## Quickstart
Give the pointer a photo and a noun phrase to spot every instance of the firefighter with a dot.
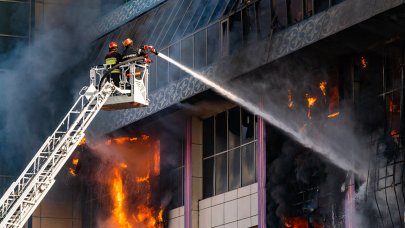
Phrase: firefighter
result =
(112, 59)
(130, 50)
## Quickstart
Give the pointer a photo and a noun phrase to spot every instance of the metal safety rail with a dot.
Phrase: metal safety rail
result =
(24, 195)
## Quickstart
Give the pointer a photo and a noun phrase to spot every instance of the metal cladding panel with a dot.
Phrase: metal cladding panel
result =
(289, 40)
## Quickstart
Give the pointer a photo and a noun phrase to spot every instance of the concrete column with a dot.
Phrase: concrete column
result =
(261, 173)
(197, 168)
(188, 177)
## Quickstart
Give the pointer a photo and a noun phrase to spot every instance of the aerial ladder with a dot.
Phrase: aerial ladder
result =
(25, 194)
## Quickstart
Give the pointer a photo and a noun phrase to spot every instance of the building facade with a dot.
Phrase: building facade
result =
(277, 160)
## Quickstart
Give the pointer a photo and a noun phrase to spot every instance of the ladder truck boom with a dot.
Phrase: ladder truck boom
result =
(25, 194)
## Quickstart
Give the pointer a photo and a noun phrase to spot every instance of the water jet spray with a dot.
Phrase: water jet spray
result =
(319, 147)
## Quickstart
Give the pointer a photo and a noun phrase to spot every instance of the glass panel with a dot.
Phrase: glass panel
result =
(225, 37)
(8, 44)
(200, 46)
(220, 132)
(308, 8)
(247, 129)
(264, 17)
(334, 2)
(249, 24)
(14, 18)
(234, 127)
(196, 17)
(219, 10)
(234, 169)
(174, 22)
(210, 6)
(187, 57)
(295, 12)
(208, 137)
(248, 164)
(320, 5)
(231, 6)
(208, 177)
(177, 183)
(185, 20)
(280, 11)
(235, 31)
(212, 43)
(163, 13)
(174, 53)
(162, 70)
(221, 180)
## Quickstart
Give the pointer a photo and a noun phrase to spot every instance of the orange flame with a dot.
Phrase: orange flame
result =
(322, 87)
(311, 102)
(290, 103)
(137, 181)
(119, 197)
(156, 158)
(83, 141)
(142, 179)
(332, 115)
(298, 222)
(73, 170)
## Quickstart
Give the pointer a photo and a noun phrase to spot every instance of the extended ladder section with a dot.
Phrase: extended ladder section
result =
(24, 195)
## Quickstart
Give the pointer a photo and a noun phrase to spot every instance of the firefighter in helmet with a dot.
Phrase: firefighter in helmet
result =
(113, 58)
(131, 51)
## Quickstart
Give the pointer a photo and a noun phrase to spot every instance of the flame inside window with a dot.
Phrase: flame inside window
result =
(363, 63)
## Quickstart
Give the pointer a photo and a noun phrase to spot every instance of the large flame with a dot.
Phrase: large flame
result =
(74, 166)
(131, 184)
(118, 193)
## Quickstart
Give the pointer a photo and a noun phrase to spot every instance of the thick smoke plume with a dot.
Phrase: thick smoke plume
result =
(42, 79)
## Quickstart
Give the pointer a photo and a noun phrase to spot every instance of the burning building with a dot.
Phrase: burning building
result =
(318, 142)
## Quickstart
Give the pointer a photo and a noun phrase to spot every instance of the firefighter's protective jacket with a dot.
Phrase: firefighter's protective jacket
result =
(132, 52)
(113, 58)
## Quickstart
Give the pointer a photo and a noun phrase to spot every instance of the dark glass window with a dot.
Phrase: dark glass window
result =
(208, 177)
(7, 44)
(212, 43)
(295, 11)
(334, 2)
(308, 8)
(247, 129)
(234, 169)
(177, 183)
(187, 55)
(234, 127)
(221, 179)
(264, 17)
(14, 18)
(163, 12)
(200, 46)
(225, 37)
(208, 137)
(320, 5)
(162, 70)
(220, 132)
(249, 24)
(174, 53)
(280, 12)
(235, 31)
(248, 164)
